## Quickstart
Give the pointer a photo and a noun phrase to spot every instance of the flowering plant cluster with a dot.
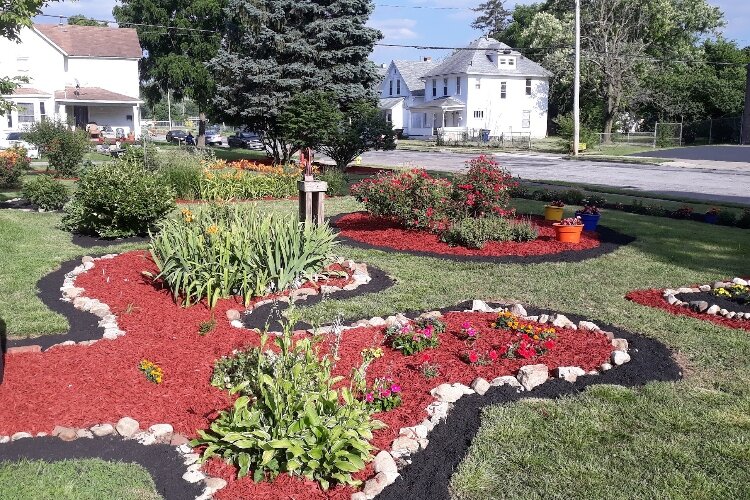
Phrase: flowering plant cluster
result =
(713, 211)
(588, 210)
(571, 221)
(557, 203)
(468, 332)
(480, 358)
(384, 395)
(429, 369)
(151, 370)
(484, 189)
(684, 212)
(13, 163)
(412, 338)
(533, 339)
(737, 293)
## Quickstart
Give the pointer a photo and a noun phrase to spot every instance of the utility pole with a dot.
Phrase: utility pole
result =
(745, 126)
(169, 109)
(577, 83)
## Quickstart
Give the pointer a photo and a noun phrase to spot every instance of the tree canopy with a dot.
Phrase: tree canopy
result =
(81, 20)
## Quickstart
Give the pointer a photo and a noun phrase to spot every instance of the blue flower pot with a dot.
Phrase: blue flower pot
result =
(590, 221)
(711, 218)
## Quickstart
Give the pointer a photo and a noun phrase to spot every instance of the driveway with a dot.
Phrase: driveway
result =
(704, 183)
(708, 153)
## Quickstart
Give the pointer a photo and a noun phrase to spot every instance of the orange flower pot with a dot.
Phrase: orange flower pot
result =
(568, 234)
(553, 213)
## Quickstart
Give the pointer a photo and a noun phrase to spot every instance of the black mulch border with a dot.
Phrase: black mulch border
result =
(610, 240)
(85, 241)
(429, 474)
(21, 205)
(162, 461)
(723, 302)
(257, 317)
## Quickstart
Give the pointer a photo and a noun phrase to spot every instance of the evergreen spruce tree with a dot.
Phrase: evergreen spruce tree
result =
(276, 49)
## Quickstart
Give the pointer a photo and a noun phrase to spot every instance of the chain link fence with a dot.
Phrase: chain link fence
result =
(713, 131)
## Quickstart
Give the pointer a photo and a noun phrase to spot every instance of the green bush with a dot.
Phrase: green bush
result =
(338, 184)
(226, 250)
(475, 233)
(13, 164)
(184, 179)
(117, 200)
(743, 220)
(45, 192)
(572, 197)
(565, 130)
(63, 147)
(726, 218)
(144, 156)
(289, 418)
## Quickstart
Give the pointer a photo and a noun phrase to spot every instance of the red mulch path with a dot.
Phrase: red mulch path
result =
(80, 386)
(384, 232)
(654, 298)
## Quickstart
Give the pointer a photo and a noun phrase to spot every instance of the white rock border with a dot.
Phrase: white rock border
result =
(702, 306)
(415, 438)
(129, 428)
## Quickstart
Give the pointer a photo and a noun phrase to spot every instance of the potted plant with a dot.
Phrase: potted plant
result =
(712, 215)
(589, 215)
(568, 230)
(554, 211)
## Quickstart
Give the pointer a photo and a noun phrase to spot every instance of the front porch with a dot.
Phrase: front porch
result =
(111, 112)
(446, 114)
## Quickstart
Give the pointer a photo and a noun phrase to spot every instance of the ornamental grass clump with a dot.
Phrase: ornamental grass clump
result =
(223, 250)
(475, 233)
(290, 418)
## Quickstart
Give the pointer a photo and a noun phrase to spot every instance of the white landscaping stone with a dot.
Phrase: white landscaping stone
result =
(384, 462)
(739, 281)
(518, 310)
(671, 299)
(214, 484)
(237, 323)
(570, 373)
(88, 265)
(620, 344)
(377, 321)
(162, 432)
(378, 483)
(145, 438)
(480, 386)
(100, 430)
(438, 411)
(543, 318)
(531, 376)
(723, 312)
(713, 310)
(20, 435)
(705, 288)
(481, 306)
(506, 380)
(4, 439)
(405, 444)
(193, 476)
(465, 388)
(587, 325)
(127, 426)
(447, 393)
(685, 289)
(620, 357)
(562, 321)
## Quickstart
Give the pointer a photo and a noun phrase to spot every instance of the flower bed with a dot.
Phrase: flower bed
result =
(723, 302)
(384, 233)
(79, 386)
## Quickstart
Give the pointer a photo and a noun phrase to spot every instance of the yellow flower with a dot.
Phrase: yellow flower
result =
(212, 229)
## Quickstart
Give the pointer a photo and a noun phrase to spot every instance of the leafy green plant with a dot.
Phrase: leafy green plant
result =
(117, 200)
(206, 327)
(244, 185)
(13, 164)
(475, 233)
(743, 220)
(63, 147)
(338, 184)
(291, 418)
(226, 250)
(46, 193)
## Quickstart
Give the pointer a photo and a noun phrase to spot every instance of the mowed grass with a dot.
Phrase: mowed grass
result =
(88, 479)
(689, 439)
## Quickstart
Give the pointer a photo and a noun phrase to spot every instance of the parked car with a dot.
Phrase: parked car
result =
(16, 139)
(247, 140)
(214, 138)
(176, 136)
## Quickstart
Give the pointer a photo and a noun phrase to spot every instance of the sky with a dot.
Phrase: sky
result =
(421, 22)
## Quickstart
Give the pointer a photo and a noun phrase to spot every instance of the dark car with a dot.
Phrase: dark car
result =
(176, 136)
(247, 140)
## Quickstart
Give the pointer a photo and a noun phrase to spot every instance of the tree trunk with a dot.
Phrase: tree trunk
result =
(201, 129)
(612, 107)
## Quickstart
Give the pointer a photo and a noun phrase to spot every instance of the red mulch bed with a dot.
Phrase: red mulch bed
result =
(655, 298)
(384, 232)
(80, 386)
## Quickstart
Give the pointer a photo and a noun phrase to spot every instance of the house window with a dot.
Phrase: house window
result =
(10, 120)
(445, 86)
(25, 114)
(388, 117)
(526, 121)
(390, 84)
(458, 85)
(511, 61)
(528, 86)
(22, 64)
(478, 114)
(434, 88)
(398, 87)
(503, 90)
(478, 85)
(502, 61)
(42, 113)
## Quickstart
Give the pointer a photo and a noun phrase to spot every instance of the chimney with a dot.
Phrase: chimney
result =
(426, 59)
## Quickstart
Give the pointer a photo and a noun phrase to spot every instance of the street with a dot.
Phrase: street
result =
(719, 181)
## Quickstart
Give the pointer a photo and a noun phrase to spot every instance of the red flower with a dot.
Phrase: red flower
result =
(424, 358)
(493, 355)
(473, 357)
(549, 344)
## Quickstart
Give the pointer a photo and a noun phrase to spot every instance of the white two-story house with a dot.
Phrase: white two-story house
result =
(77, 74)
(486, 86)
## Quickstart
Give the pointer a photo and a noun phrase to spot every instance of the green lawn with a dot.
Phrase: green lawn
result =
(90, 479)
(228, 154)
(689, 439)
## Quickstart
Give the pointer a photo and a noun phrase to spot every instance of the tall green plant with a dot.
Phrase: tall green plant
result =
(234, 250)
(291, 418)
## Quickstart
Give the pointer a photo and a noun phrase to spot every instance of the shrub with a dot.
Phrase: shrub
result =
(475, 233)
(13, 164)
(338, 184)
(118, 200)
(483, 190)
(683, 212)
(63, 147)
(233, 250)
(544, 195)
(45, 192)
(743, 220)
(144, 156)
(595, 199)
(565, 130)
(184, 179)
(572, 196)
(726, 218)
(289, 418)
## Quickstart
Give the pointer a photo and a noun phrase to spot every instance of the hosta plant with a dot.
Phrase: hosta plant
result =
(224, 250)
(289, 418)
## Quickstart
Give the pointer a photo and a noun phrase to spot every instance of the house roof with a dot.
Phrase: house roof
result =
(389, 102)
(445, 103)
(93, 41)
(28, 91)
(412, 72)
(475, 61)
(92, 94)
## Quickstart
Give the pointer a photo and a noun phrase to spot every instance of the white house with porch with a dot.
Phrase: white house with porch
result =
(487, 86)
(77, 74)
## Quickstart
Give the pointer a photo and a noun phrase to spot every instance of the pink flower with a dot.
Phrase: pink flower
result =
(471, 332)
(427, 332)
(395, 388)
(405, 329)
(369, 397)
(466, 325)
(385, 393)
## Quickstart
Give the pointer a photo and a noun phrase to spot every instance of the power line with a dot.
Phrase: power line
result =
(428, 7)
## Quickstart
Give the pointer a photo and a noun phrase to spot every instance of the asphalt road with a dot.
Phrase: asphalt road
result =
(691, 180)
(710, 153)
